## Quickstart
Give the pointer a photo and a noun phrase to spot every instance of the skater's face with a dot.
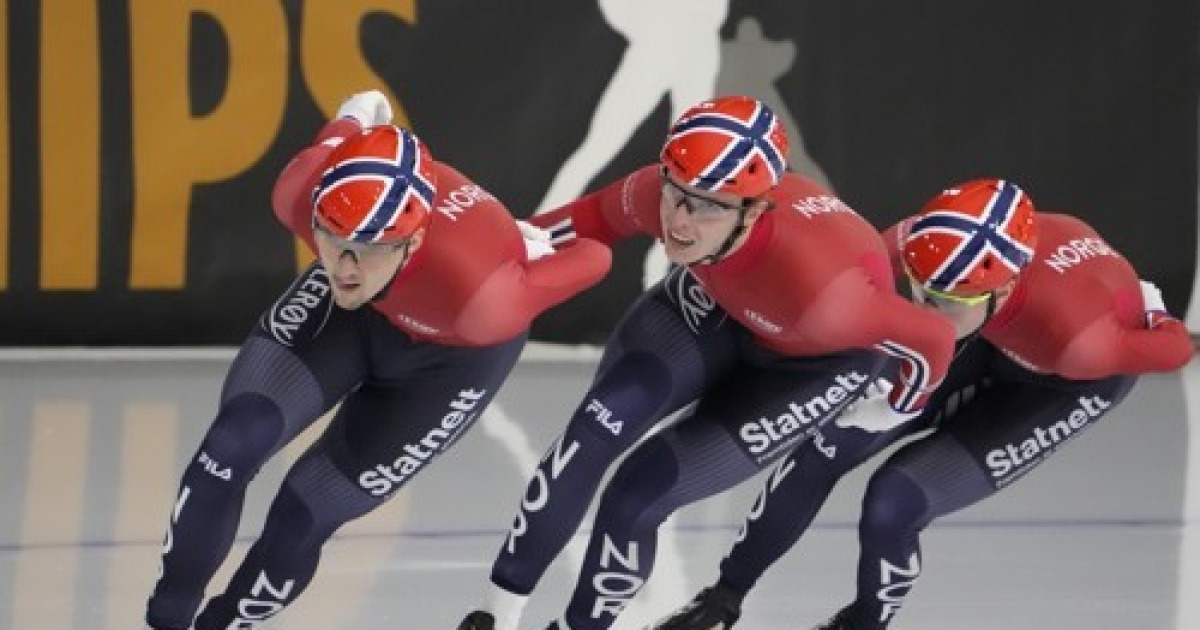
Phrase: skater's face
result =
(359, 271)
(695, 223)
(968, 312)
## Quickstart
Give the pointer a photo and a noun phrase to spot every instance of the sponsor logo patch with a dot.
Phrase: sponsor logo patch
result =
(689, 295)
(767, 436)
(301, 312)
(1008, 462)
(387, 477)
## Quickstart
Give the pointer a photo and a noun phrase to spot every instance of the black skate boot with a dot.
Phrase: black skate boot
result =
(840, 621)
(714, 608)
(478, 620)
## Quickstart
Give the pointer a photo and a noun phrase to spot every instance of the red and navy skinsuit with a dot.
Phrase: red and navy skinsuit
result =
(1062, 351)
(413, 370)
(772, 341)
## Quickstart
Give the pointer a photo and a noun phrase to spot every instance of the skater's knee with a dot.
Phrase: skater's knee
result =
(246, 432)
(623, 403)
(638, 381)
(894, 502)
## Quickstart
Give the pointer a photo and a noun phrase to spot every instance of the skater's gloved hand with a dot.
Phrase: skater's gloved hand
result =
(1152, 297)
(873, 412)
(537, 240)
(878, 388)
(369, 108)
(1152, 302)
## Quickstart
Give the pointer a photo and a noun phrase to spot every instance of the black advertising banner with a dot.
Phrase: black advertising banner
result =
(144, 135)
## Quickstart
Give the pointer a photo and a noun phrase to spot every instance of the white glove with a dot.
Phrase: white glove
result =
(873, 412)
(1152, 297)
(1152, 303)
(369, 108)
(878, 388)
(537, 240)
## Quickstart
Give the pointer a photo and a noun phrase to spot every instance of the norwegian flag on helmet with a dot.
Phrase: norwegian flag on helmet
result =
(399, 176)
(746, 138)
(987, 232)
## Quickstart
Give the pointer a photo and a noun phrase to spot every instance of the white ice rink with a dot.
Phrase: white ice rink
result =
(1104, 536)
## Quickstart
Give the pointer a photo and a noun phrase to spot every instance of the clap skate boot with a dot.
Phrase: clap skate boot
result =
(840, 621)
(478, 620)
(714, 608)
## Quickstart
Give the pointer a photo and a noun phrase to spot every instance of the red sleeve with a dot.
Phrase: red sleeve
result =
(862, 309)
(619, 210)
(1107, 347)
(291, 197)
(922, 340)
(1164, 348)
(552, 279)
(510, 299)
(1082, 329)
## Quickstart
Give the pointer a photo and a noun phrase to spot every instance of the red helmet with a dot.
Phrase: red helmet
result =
(731, 144)
(972, 238)
(378, 187)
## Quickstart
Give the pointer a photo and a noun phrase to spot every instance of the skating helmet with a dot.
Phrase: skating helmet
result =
(378, 187)
(971, 239)
(730, 144)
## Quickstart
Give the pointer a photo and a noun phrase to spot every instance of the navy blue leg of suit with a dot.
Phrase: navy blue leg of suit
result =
(279, 383)
(753, 417)
(799, 486)
(671, 344)
(417, 402)
(404, 404)
(1013, 425)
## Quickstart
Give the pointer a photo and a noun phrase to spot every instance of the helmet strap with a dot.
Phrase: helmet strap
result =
(734, 234)
(961, 344)
(399, 268)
